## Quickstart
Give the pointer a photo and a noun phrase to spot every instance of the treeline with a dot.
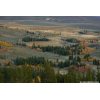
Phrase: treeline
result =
(12, 74)
(44, 74)
(69, 50)
(27, 74)
(56, 50)
(72, 60)
(29, 60)
(77, 77)
(29, 39)
(39, 61)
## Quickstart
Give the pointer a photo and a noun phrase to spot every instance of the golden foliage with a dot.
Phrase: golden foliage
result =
(5, 44)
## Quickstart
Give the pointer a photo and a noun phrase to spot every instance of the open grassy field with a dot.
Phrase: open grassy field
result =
(14, 32)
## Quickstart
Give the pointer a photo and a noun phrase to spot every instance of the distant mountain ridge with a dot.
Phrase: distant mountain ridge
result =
(61, 19)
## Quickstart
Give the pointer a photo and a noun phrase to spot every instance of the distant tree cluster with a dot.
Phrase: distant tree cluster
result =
(29, 39)
(69, 50)
(87, 57)
(21, 44)
(73, 60)
(39, 61)
(96, 62)
(30, 32)
(56, 49)
(29, 60)
(72, 40)
(64, 64)
(83, 32)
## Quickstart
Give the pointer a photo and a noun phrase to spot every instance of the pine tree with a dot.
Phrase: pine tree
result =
(90, 76)
(48, 76)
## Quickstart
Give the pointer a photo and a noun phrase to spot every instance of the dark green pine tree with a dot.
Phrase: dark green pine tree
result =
(48, 76)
